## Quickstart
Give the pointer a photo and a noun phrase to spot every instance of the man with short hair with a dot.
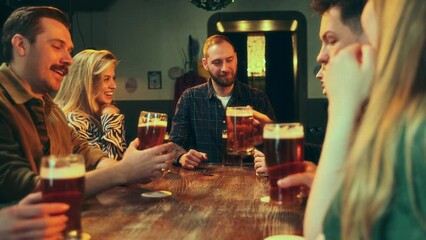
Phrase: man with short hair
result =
(200, 114)
(37, 46)
(340, 27)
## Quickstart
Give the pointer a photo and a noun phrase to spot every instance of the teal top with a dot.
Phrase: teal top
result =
(399, 220)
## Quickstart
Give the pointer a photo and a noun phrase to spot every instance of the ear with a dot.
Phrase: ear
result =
(19, 44)
(205, 63)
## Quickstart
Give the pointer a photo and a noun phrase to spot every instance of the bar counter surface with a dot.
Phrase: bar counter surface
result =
(213, 202)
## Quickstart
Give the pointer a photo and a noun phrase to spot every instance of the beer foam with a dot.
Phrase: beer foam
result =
(156, 122)
(239, 113)
(278, 132)
(75, 171)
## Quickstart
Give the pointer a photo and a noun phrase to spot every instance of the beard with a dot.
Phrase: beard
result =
(223, 81)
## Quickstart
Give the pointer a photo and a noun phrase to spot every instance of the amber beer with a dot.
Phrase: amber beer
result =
(150, 136)
(62, 180)
(151, 129)
(229, 160)
(283, 147)
(239, 122)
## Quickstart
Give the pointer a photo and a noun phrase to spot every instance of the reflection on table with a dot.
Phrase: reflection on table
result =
(213, 202)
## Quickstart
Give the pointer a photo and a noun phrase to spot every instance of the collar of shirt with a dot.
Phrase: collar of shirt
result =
(13, 85)
(236, 90)
(18, 93)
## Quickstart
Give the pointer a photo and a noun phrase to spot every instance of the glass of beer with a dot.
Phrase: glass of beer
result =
(239, 123)
(62, 180)
(283, 148)
(229, 160)
(151, 129)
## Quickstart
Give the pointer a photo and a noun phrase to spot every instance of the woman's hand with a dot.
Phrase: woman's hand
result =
(109, 109)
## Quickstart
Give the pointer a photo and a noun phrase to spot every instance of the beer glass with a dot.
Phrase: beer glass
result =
(239, 123)
(62, 180)
(283, 148)
(229, 160)
(151, 129)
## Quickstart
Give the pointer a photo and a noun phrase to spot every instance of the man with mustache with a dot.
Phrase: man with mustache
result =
(200, 113)
(37, 47)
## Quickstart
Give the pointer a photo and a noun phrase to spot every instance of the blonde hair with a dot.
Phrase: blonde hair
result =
(393, 116)
(81, 86)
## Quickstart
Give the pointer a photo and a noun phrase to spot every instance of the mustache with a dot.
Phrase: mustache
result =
(61, 68)
(225, 74)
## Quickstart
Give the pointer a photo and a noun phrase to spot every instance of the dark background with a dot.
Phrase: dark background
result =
(68, 6)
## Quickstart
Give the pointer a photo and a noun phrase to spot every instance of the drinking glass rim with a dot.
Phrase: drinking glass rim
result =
(146, 116)
(284, 124)
(290, 130)
(155, 113)
(246, 111)
(71, 156)
(62, 166)
(248, 107)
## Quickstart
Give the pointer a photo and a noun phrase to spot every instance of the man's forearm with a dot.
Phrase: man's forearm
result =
(105, 162)
(103, 178)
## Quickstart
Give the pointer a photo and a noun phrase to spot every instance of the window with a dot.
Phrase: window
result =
(256, 60)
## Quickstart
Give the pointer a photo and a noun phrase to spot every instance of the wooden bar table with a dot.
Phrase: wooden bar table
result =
(213, 202)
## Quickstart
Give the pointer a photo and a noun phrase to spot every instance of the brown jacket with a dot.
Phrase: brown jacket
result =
(21, 145)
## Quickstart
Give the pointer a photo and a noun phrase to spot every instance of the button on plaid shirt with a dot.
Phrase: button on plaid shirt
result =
(200, 117)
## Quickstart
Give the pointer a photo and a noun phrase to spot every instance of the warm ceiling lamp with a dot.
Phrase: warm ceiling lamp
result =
(211, 5)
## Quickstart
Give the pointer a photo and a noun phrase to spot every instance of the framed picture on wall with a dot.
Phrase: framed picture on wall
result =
(154, 80)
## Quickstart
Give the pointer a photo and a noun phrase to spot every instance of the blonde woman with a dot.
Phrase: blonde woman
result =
(86, 96)
(381, 184)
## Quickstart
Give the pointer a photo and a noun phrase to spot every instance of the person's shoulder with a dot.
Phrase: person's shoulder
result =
(5, 104)
(77, 113)
(78, 116)
(11, 90)
(420, 137)
(247, 89)
(201, 89)
(3, 92)
(412, 140)
(423, 123)
(416, 128)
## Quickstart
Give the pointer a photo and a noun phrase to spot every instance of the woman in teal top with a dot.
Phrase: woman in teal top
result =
(400, 219)
(382, 181)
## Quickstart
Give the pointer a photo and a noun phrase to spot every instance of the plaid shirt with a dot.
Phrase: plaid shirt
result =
(200, 117)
